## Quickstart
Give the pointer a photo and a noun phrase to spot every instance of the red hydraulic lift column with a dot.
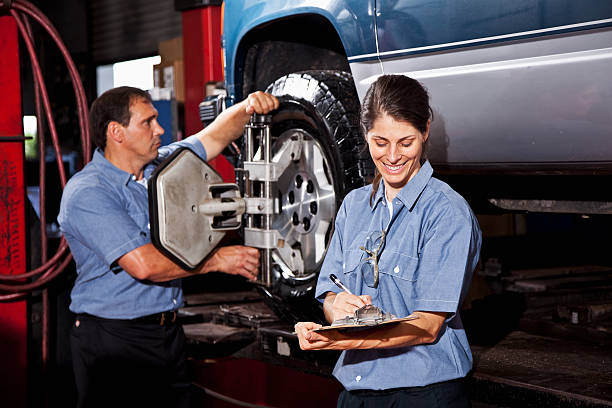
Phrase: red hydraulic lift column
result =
(13, 316)
(203, 63)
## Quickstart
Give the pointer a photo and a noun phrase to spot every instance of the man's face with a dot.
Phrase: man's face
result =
(142, 134)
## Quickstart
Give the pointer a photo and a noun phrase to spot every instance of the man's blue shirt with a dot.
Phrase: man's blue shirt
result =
(104, 214)
(431, 249)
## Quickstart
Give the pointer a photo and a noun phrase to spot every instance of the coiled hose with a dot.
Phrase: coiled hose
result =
(19, 286)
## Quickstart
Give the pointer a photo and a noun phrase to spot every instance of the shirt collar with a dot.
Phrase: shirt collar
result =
(379, 196)
(410, 193)
(109, 169)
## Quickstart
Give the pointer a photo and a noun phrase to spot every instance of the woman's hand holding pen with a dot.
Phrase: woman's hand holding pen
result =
(336, 306)
(345, 304)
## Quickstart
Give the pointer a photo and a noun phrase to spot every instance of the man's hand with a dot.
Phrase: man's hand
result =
(229, 125)
(338, 306)
(147, 263)
(260, 102)
(234, 260)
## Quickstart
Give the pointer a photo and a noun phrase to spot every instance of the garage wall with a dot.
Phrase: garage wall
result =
(126, 29)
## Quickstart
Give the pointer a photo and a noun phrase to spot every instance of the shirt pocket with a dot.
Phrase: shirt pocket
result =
(351, 267)
(352, 260)
(137, 207)
(398, 266)
(141, 219)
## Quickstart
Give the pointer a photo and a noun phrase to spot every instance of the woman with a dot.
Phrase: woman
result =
(408, 244)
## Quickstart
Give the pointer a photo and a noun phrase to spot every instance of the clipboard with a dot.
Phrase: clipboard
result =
(362, 326)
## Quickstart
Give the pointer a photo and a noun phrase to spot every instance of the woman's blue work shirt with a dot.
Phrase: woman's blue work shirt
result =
(431, 249)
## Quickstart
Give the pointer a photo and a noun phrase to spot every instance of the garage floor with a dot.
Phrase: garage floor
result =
(521, 369)
(530, 370)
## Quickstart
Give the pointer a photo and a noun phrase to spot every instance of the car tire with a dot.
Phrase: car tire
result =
(323, 105)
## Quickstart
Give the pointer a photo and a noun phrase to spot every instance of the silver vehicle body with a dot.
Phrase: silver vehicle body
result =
(522, 84)
(545, 99)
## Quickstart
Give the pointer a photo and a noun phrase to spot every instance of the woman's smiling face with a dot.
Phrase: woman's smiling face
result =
(396, 148)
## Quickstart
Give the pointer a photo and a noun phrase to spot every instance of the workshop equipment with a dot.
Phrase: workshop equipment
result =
(191, 208)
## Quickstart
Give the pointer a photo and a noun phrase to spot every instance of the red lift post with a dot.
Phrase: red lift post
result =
(203, 64)
(13, 316)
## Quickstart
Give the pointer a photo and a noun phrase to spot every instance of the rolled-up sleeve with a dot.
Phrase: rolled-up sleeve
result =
(191, 142)
(449, 254)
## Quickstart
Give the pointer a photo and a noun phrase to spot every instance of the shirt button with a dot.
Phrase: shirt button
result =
(358, 378)
(174, 300)
(396, 269)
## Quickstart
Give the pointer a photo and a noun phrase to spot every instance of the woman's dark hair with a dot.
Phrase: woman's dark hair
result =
(402, 98)
(113, 105)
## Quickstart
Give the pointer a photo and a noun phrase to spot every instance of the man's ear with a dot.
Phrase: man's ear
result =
(115, 132)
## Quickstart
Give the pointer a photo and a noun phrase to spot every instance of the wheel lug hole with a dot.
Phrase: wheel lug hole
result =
(310, 187)
(298, 181)
(291, 197)
(306, 222)
(295, 219)
(313, 208)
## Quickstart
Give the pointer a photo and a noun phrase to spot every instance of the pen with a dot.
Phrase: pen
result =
(335, 279)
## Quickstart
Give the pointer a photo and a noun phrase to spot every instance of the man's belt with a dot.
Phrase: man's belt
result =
(163, 318)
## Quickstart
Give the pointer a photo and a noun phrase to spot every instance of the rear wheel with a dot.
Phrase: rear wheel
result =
(322, 108)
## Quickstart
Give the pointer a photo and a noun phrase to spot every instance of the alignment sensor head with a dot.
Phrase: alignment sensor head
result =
(176, 189)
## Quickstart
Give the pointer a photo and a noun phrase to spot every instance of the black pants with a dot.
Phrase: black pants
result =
(448, 394)
(119, 363)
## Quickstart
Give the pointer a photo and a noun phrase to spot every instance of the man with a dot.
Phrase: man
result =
(127, 349)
